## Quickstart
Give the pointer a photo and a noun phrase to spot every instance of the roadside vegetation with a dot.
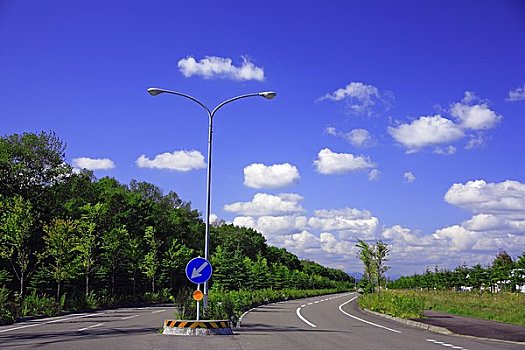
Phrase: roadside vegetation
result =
(491, 293)
(70, 241)
(502, 307)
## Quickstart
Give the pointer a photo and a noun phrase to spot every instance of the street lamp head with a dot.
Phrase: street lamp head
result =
(155, 91)
(268, 94)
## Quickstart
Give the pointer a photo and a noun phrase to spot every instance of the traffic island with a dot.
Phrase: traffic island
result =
(192, 327)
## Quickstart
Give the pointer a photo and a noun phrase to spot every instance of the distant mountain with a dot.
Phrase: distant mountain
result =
(357, 275)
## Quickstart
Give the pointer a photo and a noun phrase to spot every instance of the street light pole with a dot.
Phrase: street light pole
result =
(211, 113)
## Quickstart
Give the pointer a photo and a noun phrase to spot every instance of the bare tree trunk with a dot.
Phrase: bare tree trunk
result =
(58, 290)
(87, 285)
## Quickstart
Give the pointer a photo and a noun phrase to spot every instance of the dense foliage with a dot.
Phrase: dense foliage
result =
(69, 240)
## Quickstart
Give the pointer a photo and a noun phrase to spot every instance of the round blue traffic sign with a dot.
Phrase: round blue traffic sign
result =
(198, 270)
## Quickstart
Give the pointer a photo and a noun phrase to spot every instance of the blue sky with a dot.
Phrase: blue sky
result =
(399, 121)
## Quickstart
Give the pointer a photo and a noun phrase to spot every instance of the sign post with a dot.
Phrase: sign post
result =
(198, 270)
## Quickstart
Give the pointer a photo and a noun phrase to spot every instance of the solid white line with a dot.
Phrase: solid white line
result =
(244, 314)
(360, 319)
(93, 326)
(129, 317)
(158, 311)
(298, 312)
(66, 318)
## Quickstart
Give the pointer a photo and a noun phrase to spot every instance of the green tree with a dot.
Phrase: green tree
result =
(258, 273)
(60, 240)
(380, 255)
(501, 268)
(478, 277)
(366, 255)
(114, 252)
(175, 259)
(518, 274)
(229, 269)
(150, 263)
(278, 273)
(88, 242)
(16, 221)
(249, 242)
(135, 260)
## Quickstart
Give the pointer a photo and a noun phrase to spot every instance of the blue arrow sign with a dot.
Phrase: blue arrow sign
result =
(198, 270)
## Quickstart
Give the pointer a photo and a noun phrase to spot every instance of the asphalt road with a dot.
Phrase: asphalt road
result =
(329, 322)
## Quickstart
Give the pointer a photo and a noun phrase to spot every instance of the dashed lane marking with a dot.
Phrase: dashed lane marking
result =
(93, 326)
(129, 317)
(157, 312)
(445, 344)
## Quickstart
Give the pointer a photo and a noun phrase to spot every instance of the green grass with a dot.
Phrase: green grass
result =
(502, 307)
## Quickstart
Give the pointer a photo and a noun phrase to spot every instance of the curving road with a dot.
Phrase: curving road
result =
(329, 322)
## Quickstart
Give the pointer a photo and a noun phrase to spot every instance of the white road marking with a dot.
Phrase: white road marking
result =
(298, 312)
(66, 318)
(310, 303)
(93, 326)
(317, 302)
(158, 311)
(360, 319)
(445, 344)
(129, 317)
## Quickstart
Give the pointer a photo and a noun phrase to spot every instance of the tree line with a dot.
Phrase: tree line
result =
(503, 274)
(67, 234)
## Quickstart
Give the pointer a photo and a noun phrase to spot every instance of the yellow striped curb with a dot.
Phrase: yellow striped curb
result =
(193, 327)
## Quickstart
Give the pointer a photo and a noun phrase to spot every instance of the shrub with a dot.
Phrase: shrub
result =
(35, 304)
(6, 314)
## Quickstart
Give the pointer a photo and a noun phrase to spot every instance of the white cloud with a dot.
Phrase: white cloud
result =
(426, 131)
(374, 175)
(360, 97)
(273, 176)
(471, 116)
(357, 137)
(178, 160)
(360, 138)
(329, 162)
(93, 163)
(409, 177)
(220, 67)
(477, 117)
(264, 204)
(480, 197)
(517, 94)
(273, 225)
(475, 141)
(459, 237)
(485, 222)
(330, 130)
(352, 222)
(446, 151)
(499, 220)
(329, 236)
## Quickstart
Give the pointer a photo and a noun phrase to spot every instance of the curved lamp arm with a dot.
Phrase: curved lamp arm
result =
(157, 91)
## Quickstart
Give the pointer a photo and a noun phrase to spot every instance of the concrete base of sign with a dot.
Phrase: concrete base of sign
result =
(193, 327)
